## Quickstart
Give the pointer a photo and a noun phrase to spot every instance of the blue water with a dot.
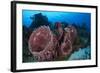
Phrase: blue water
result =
(69, 17)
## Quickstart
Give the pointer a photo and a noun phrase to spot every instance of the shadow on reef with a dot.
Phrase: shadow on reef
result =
(63, 42)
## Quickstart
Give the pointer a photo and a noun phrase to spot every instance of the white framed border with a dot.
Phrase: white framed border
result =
(41, 65)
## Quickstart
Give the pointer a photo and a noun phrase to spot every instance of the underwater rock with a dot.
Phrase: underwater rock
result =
(42, 44)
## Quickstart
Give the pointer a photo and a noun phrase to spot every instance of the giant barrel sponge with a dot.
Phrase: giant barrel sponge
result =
(46, 46)
(42, 43)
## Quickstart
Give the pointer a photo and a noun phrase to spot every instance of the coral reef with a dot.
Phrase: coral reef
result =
(48, 40)
(47, 46)
(38, 20)
(81, 54)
